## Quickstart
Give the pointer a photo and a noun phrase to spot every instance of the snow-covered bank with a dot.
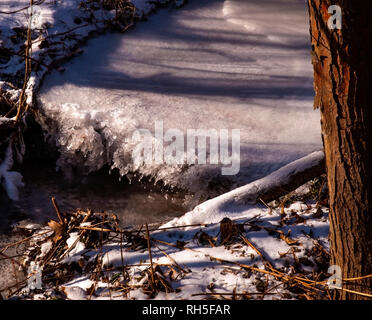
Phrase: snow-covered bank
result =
(191, 68)
(269, 255)
(230, 245)
(57, 31)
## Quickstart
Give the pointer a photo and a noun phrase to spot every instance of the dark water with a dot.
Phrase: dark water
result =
(133, 203)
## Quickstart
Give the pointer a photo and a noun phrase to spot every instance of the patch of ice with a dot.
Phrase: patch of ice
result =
(280, 21)
(191, 69)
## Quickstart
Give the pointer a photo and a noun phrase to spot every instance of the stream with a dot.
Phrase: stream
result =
(212, 64)
(133, 203)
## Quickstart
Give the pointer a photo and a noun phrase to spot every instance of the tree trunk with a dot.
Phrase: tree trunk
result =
(342, 61)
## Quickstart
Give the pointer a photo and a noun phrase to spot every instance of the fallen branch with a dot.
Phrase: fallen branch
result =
(280, 182)
(267, 189)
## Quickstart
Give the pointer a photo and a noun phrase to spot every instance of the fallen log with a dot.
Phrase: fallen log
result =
(271, 187)
(283, 180)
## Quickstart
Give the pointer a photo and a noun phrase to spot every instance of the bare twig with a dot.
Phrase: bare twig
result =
(57, 211)
(150, 255)
(22, 98)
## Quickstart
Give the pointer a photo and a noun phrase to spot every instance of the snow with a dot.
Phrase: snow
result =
(53, 24)
(48, 19)
(75, 293)
(45, 247)
(197, 67)
(288, 240)
(201, 270)
(74, 245)
(51, 21)
(202, 274)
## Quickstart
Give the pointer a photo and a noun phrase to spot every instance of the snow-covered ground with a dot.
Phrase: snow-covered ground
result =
(57, 25)
(212, 64)
(50, 22)
(274, 251)
(57, 31)
(262, 261)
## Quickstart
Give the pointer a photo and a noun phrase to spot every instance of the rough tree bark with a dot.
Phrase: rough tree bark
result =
(342, 61)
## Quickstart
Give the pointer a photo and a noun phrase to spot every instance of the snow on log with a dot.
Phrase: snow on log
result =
(240, 200)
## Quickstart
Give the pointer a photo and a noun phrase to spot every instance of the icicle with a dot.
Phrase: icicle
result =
(11, 180)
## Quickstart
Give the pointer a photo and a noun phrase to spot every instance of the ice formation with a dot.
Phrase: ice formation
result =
(10, 180)
(198, 67)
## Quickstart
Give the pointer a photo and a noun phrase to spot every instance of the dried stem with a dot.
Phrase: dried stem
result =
(150, 255)
(57, 210)
(22, 107)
